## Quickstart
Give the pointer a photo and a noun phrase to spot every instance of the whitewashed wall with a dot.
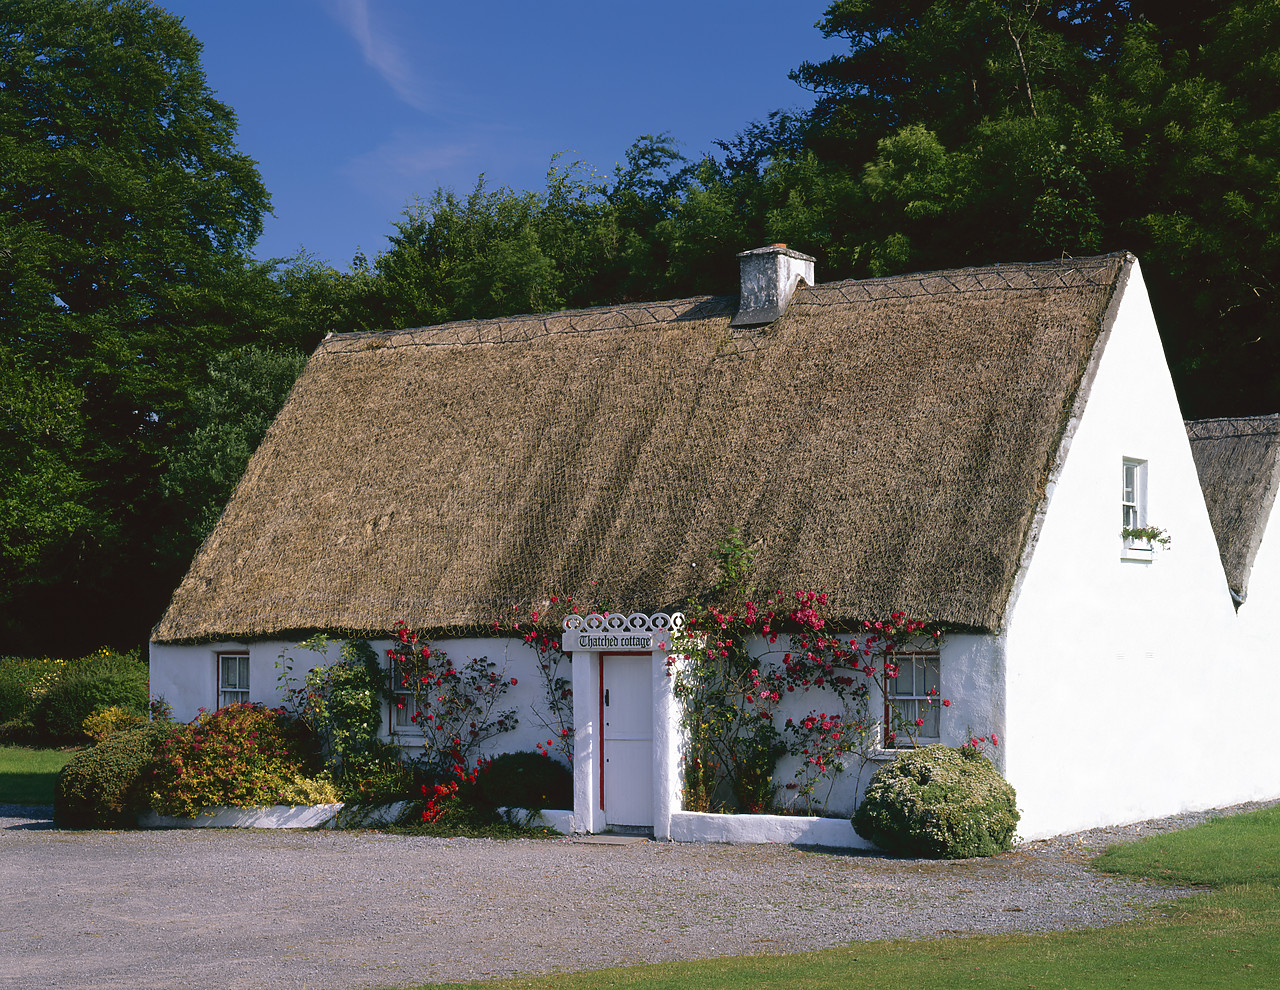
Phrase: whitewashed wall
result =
(185, 676)
(1259, 615)
(971, 680)
(1128, 692)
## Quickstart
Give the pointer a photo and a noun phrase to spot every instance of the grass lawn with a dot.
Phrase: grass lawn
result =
(1229, 937)
(27, 776)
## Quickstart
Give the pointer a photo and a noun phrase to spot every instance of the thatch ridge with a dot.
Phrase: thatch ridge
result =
(887, 441)
(1238, 461)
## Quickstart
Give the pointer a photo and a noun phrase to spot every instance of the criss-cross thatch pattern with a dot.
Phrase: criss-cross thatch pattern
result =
(1238, 461)
(886, 441)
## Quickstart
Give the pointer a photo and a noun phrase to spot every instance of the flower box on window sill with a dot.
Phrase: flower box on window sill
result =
(1136, 548)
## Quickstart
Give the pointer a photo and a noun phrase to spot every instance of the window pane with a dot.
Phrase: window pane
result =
(243, 682)
(932, 682)
(1130, 482)
(931, 719)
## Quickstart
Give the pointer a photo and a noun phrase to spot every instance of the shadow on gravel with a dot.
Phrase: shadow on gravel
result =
(25, 818)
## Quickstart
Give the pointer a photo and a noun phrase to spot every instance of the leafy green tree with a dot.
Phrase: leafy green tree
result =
(230, 415)
(125, 209)
(990, 130)
(41, 491)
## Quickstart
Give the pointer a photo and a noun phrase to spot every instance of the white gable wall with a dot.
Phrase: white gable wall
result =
(1127, 693)
(1259, 615)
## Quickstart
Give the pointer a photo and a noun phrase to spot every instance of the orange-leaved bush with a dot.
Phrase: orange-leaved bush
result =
(243, 756)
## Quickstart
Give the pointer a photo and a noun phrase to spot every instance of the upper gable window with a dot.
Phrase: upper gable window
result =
(1133, 510)
(1133, 492)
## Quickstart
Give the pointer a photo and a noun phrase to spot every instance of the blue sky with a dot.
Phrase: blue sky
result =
(353, 108)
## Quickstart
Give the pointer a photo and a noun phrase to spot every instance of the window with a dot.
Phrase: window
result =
(233, 678)
(1133, 494)
(1133, 511)
(403, 703)
(915, 694)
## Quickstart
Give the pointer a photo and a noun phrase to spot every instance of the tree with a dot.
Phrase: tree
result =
(41, 510)
(124, 211)
(230, 415)
(989, 130)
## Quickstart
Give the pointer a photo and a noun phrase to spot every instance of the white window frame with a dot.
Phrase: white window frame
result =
(1133, 508)
(235, 689)
(400, 718)
(923, 694)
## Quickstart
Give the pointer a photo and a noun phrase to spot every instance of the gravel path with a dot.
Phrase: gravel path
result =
(242, 909)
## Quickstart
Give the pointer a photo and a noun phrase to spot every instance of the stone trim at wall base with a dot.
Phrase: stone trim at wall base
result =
(315, 815)
(273, 816)
(694, 826)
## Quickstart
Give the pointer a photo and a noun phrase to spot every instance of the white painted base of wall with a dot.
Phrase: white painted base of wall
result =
(694, 826)
(274, 816)
(314, 815)
(557, 821)
(363, 815)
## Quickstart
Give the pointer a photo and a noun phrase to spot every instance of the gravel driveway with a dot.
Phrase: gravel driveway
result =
(241, 909)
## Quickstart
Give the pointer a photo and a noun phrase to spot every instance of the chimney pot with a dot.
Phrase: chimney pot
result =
(769, 277)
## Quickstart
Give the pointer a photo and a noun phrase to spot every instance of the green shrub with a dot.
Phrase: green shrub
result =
(377, 775)
(15, 696)
(240, 756)
(98, 681)
(525, 780)
(105, 786)
(37, 673)
(938, 803)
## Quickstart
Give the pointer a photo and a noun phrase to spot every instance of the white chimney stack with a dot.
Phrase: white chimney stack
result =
(769, 277)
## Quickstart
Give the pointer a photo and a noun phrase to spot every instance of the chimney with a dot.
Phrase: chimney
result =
(769, 277)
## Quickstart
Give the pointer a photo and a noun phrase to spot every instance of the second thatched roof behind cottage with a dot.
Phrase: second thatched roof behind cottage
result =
(1238, 460)
(886, 441)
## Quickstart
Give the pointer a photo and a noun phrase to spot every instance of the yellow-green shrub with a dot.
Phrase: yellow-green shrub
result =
(109, 721)
(319, 789)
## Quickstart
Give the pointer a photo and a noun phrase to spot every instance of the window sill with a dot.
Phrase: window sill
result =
(882, 755)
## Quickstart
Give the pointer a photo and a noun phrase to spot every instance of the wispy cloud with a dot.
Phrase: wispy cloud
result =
(380, 50)
(412, 164)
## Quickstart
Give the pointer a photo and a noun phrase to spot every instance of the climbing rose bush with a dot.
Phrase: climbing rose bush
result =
(456, 707)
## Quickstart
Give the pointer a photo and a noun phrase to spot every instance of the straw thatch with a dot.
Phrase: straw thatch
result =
(886, 441)
(1238, 461)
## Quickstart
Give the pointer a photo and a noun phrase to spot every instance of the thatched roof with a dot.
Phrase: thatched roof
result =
(1238, 461)
(886, 441)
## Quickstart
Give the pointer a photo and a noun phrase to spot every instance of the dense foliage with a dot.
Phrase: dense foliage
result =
(997, 130)
(939, 803)
(528, 780)
(106, 785)
(240, 756)
(98, 682)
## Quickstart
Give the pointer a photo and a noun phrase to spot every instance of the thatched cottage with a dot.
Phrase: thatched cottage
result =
(963, 444)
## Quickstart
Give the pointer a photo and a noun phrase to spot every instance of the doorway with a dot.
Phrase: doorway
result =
(626, 712)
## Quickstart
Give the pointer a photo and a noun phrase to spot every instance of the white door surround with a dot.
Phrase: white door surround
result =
(625, 754)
